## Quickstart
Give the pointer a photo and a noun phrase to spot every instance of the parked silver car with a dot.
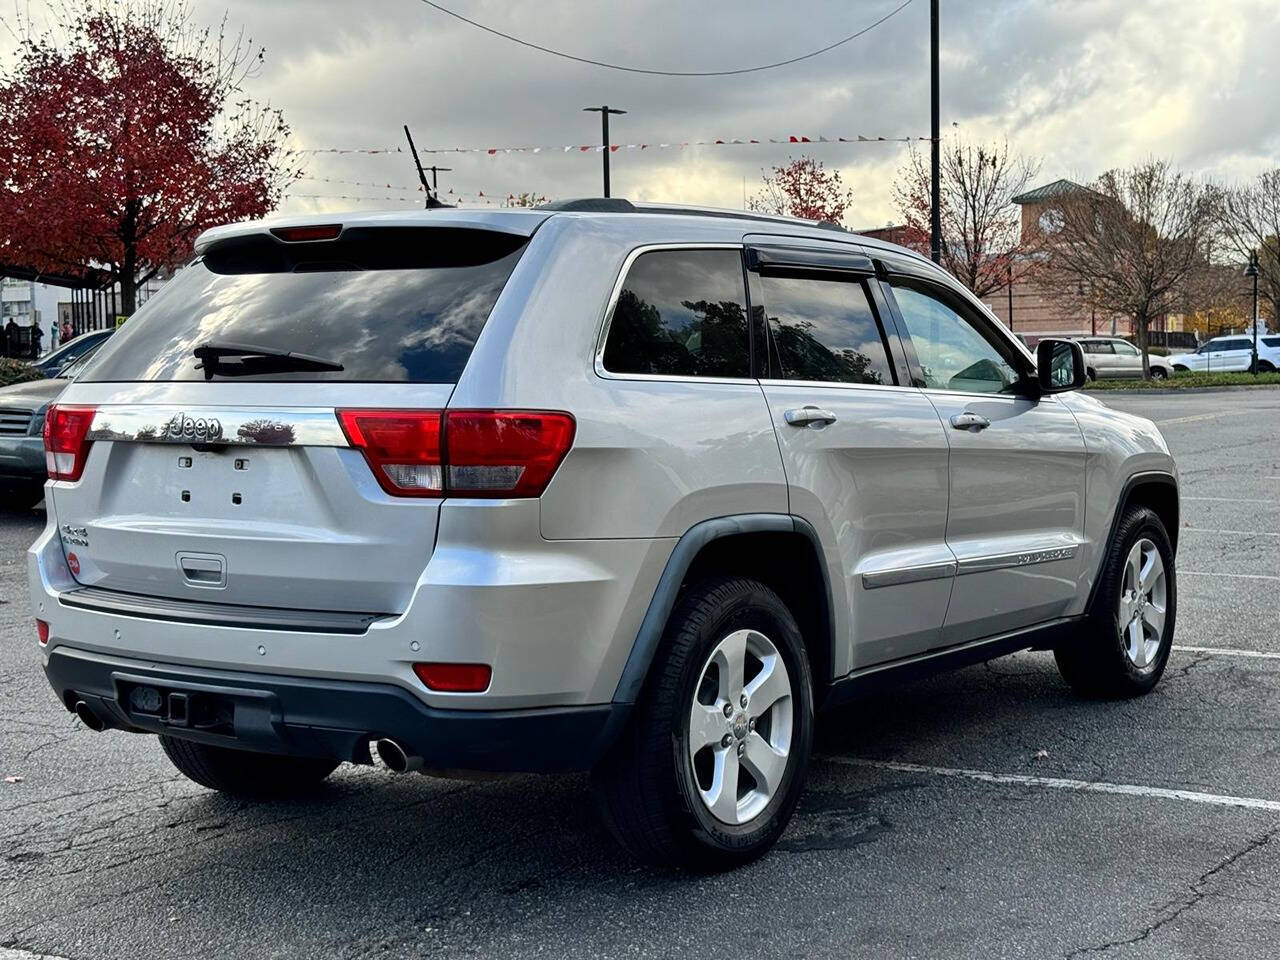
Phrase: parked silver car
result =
(1117, 357)
(596, 486)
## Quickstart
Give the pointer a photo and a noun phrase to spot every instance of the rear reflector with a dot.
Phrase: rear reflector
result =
(42, 631)
(65, 446)
(455, 677)
(464, 453)
(327, 231)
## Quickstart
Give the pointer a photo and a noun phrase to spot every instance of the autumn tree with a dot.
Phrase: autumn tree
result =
(803, 188)
(1128, 243)
(1250, 220)
(125, 130)
(981, 243)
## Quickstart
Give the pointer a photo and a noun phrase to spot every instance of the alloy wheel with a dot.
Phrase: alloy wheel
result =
(740, 726)
(1143, 604)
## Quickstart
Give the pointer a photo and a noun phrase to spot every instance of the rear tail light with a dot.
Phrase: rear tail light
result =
(66, 447)
(401, 446)
(455, 677)
(325, 231)
(42, 631)
(466, 453)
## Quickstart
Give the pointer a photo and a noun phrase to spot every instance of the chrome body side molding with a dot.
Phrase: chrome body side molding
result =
(218, 425)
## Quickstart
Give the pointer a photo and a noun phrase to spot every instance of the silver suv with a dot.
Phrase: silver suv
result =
(634, 490)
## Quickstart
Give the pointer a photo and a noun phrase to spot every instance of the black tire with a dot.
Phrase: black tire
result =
(1094, 662)
(243, 773)
(20, 499)
(1157, 373)
(1265, 366)
(647, 788)
(1090, 374)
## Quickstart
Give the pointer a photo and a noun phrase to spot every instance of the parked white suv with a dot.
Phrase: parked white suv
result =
(595, 486)
(1233, 353)
(1116, 357)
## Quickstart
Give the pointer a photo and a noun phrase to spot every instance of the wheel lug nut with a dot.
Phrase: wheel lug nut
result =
(726, 740)
(743, 700)
(751, 724)
(728, 709)
(740, 750)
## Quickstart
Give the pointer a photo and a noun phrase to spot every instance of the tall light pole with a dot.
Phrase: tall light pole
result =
(935, 147)
(604, 136)
(1252, 271)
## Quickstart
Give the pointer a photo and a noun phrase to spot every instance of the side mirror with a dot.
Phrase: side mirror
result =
(1059, 366)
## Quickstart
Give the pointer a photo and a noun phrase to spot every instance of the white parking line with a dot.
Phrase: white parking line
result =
(1233, 576)
(8, 953)
(1228, 500)
(1232, 533)
(1059, 783)
(1228, 652)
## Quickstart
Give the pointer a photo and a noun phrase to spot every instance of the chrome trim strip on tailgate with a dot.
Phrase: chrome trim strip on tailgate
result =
(217, 614)
(247, 426)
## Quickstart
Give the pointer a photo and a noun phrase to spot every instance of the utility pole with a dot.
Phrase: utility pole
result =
(935, 147)
(1010, 278)
(1252, 271)
(435, 175)
(604, 136)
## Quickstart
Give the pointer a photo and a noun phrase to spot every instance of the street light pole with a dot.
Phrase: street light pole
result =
(1252, 271)
(604, 136)
(935, 124)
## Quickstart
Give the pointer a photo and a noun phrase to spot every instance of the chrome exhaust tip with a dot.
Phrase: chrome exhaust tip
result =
(395, 758)
(88, 717)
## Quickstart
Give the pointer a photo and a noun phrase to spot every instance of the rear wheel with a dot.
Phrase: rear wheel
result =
(1157, 373)
(243, 772)
(1122, 649)
(1265, 366)
(712, 765)
(1090, 374)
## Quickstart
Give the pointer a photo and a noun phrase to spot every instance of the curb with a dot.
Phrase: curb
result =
(1182, 391)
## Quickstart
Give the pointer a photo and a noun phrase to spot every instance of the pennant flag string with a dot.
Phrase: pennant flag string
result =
(615, 147)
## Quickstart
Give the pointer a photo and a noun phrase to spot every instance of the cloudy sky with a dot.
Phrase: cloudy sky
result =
(1083, 84)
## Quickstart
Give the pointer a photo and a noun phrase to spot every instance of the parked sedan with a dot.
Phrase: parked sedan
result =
(1116, 357)
(51, 364)
(1232, 353)
(22, 410)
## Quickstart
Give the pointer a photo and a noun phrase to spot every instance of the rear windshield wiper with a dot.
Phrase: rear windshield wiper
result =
(245, 360)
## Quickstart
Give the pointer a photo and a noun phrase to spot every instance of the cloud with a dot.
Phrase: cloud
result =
(1086, 85)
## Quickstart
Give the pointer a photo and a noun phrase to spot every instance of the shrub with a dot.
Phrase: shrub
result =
(15, 371)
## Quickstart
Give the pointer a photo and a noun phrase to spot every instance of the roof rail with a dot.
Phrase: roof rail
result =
(619, 205)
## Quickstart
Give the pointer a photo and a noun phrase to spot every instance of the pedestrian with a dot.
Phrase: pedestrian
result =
(11, 338)
(37, 335)
(66, 330)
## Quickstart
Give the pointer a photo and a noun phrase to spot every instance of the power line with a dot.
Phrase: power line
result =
(668, 73)
(789, 140)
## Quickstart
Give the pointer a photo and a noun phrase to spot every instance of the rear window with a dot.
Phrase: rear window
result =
(1271, 341)
(681, 313)
(388, 304)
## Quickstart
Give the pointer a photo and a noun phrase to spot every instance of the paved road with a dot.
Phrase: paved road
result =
(941, 821)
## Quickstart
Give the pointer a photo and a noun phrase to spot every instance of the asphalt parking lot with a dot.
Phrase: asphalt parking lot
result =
(984, 813)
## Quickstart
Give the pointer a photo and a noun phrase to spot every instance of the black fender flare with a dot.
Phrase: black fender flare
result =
(682, 556)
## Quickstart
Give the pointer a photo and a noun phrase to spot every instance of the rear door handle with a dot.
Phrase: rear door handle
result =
(970, 421)
(809, 416)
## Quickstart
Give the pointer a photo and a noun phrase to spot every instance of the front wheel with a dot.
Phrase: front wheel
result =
(711, 767)
(244, 773)
(1123, 646)
(1157, 373)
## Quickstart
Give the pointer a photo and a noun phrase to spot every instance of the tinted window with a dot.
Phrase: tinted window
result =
(824, 330)
(1237, 345)
(1098, 346)
(1124, 349)
(387, 304)
(952, 354)
(1271, 341)
(681, 313)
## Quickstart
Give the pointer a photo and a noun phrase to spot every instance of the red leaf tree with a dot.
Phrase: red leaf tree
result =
(803, 188)
(124, 132)
(981, 246)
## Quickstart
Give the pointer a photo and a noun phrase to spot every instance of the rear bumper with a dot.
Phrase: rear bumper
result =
(330, 718)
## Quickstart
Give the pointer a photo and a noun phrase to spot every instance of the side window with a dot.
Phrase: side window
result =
(1102, 347)
(952, 354)
(681, 313)
(1124, 349)
(824, 330)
